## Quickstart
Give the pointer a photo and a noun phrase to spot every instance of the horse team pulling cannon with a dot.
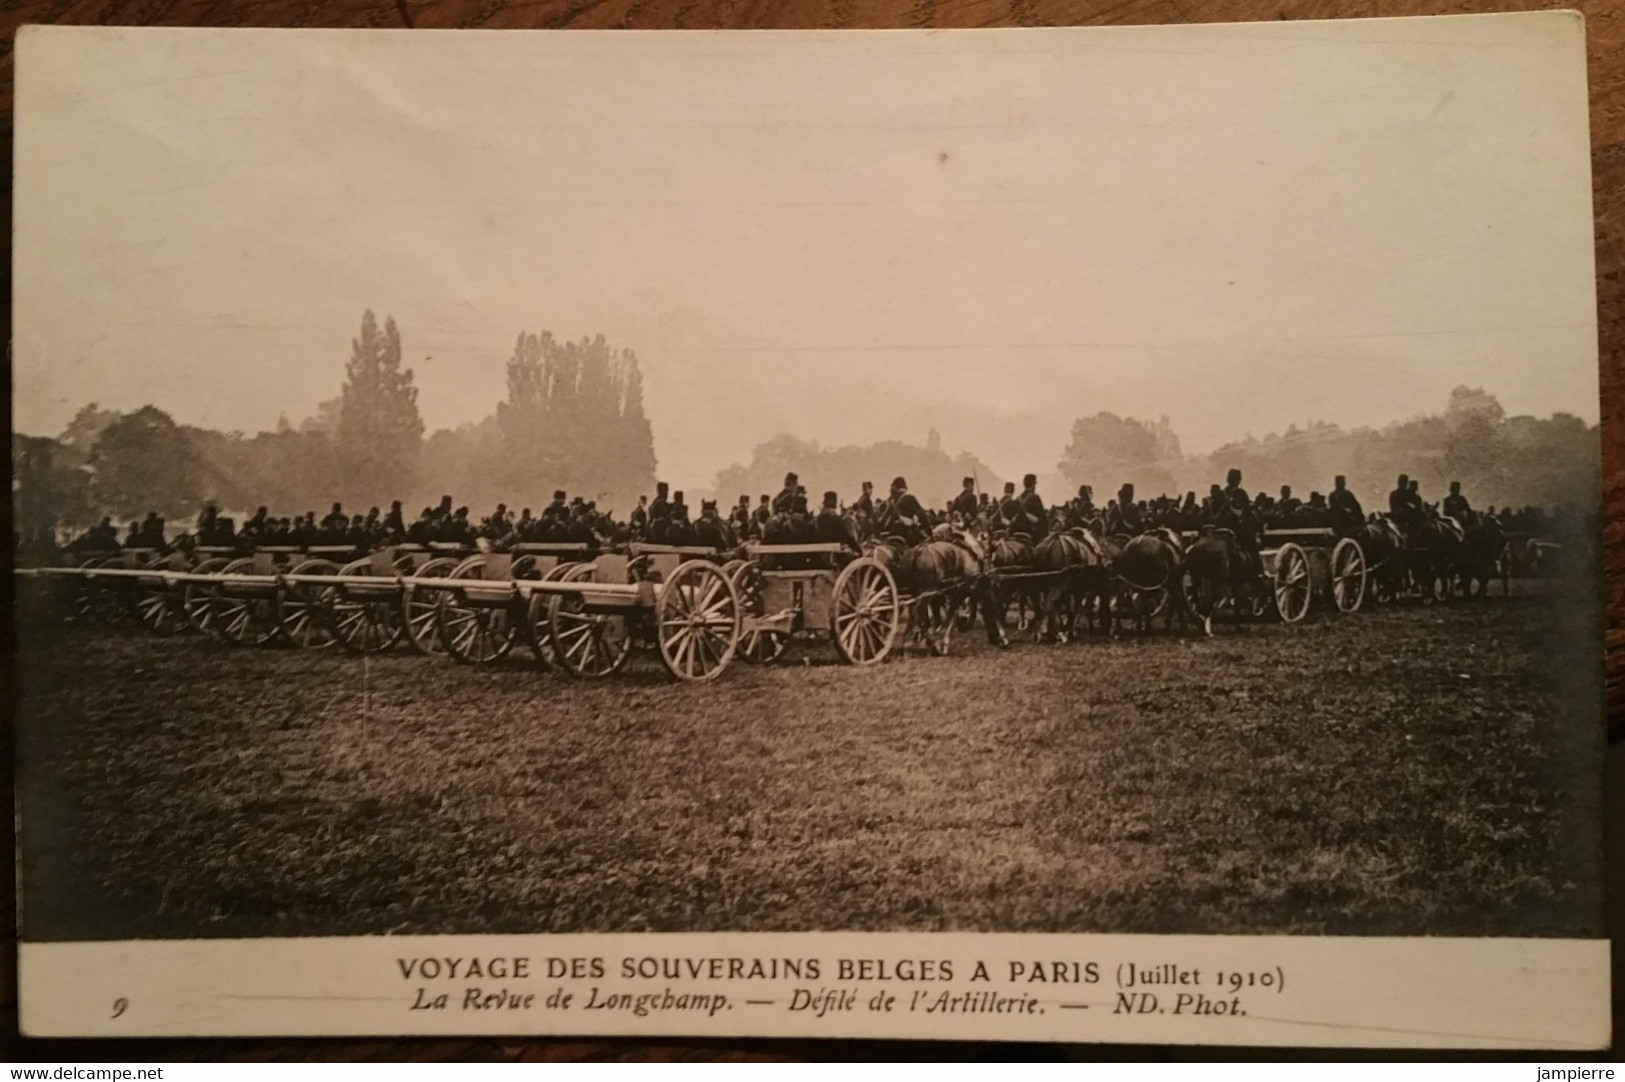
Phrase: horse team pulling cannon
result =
(585, 607)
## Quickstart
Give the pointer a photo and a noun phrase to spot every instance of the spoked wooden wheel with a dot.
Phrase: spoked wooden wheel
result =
(476, 633)
(420, 607)
(1348, 575)
(362, 623)
(195, 605)
(1293, 583)
(155, 605)
(697, 621)
(302, 607)
(540, 613)
(106, 599)
(74, 593)
(246, 619)
(867, 614)
(585, 643)
(759, 646)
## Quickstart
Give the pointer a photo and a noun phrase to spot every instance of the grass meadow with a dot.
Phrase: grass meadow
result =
(1406, 770)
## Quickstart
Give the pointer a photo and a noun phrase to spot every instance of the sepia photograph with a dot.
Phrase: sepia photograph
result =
(1128, 481)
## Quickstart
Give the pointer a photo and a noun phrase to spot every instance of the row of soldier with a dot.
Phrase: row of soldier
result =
(788, 517)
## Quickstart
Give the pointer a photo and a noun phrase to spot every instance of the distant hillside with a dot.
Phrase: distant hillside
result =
(933, 475)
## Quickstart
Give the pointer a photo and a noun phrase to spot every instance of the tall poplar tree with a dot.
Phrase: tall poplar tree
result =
(379, 429)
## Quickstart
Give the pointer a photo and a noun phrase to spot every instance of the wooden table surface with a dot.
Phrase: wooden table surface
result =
(1605, 31)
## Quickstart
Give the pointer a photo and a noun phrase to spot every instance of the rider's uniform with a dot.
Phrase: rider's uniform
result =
(1032, 506)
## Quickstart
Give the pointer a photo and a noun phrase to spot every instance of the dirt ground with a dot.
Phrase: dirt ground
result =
(1405, 770)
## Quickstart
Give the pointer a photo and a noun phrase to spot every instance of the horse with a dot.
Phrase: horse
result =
(1482, 553)
(1222, 575)
(942, 573)
(1013, 554)
(1435, 547)
(1385, 550)
(1150, 566)
(1069, 557)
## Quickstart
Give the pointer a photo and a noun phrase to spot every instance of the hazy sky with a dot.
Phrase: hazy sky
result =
(849, 237)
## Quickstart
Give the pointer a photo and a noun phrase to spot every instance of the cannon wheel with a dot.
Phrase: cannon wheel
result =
(1348, 575)
(105, 599)
(195, 604)
(241, 621)
(420, 607)
(1293, 583)
(475, 634)
(757, 646)
(540, 613)
(155, 606)
(585, 644)
(868, 613)
(698, 616)
(302, 607)
(363, 626)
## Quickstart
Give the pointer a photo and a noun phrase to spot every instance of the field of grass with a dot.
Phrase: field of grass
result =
(1406, 770)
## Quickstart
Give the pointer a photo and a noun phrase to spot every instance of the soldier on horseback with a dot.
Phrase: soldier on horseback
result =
(1032, 508)
(761, 516)
(1010, 509)
(833, 528)
(785, 500)
(1456, 505)
(1123, 517)
(1405, 505)
(711, 530)
(739, 518)
(902, 515)
(964, 504)
(866, 503)
(1348, 517)
(1083, 505)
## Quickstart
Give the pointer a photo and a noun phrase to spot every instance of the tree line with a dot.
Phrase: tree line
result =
(573, 417)
(1500, 460)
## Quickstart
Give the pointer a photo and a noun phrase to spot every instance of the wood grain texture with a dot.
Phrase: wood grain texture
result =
(1605, 29)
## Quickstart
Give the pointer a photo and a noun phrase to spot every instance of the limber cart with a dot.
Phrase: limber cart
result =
(1313, 562)
(1301, 565)
(821, 588)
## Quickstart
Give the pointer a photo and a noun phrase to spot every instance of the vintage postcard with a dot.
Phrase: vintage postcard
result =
(1065, 534)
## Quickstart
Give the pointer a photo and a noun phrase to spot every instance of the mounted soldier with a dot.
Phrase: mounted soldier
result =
(865, 504)
(739, 518)
(681, 530)
(831, 527)
(1033, 509)
(964, 504)
(638, 520)
(761, 516)
(1404, 505)
(394, 524)
(1288, 505)
(1083, 505)
(336, 522)
(785, 500)
(1456, 505)
(1010, 509)
(903, 515)
(1123, 517)
(711, 530)
(1348, 517)
(660, 507)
